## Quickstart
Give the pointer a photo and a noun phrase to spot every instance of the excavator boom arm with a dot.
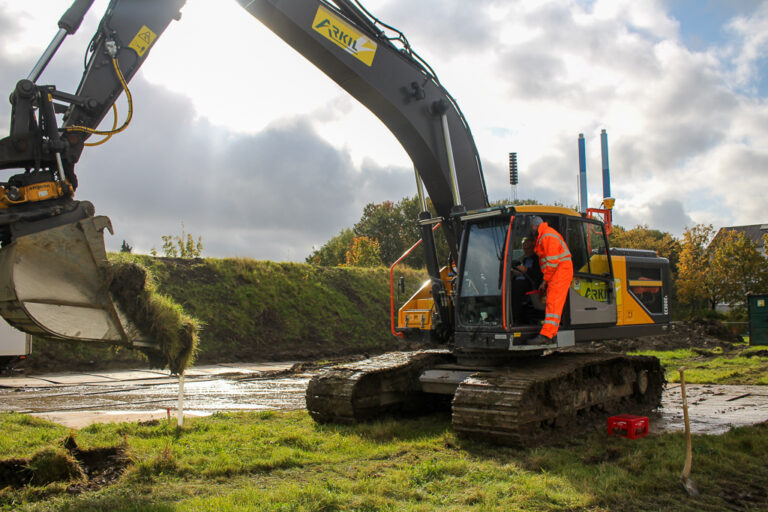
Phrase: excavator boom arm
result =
(340, 38)
(48, 237)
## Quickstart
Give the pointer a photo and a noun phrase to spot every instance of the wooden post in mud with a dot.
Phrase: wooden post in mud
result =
(685, 478)
(180, 410)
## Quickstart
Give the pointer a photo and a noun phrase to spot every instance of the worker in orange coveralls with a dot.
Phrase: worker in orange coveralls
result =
(556, 265)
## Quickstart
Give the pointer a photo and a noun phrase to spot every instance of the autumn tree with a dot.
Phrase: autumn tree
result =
(697, 286)
(642, 237)
(333, 252)
(736, 258)
(364, 252)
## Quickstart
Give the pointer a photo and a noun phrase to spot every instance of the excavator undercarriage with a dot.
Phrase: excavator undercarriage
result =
(525, 402)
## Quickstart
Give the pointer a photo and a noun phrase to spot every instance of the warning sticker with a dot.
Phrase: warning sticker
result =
(143, 40)
(344, 35)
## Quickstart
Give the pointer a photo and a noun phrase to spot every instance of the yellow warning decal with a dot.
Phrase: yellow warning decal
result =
(344, 35)
(143, 40)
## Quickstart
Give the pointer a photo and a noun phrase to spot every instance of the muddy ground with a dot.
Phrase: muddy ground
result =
(696, 333)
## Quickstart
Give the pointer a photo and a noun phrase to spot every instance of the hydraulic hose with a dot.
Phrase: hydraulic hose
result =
(109, 133)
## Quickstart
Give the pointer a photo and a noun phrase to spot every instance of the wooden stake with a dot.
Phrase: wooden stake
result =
(685, 477)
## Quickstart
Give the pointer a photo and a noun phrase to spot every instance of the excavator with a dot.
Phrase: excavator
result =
(54, 269)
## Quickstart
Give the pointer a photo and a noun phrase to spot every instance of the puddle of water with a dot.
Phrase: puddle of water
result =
(713, 409)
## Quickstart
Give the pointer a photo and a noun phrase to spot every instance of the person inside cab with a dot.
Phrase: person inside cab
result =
(557, 271)
(527, 278)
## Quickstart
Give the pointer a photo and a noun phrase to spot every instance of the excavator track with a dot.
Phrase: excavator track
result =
(532, 401)
(368, 389)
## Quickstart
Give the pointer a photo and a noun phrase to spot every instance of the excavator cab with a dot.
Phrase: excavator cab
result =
(614, 292)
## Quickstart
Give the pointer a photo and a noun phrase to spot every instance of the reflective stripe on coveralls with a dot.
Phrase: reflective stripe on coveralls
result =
(556, 265)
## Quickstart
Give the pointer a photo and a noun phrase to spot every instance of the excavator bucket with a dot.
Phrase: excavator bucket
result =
(54, 283)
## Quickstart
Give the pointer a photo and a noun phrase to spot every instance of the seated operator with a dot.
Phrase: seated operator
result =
(557, 269)
(527, 279)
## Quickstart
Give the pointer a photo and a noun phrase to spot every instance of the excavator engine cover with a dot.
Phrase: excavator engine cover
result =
(54, 283)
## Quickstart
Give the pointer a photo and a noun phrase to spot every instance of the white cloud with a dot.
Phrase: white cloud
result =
(750, 47)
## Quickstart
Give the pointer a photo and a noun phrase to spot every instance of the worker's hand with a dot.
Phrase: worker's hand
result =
(543, 286)
(521, 269)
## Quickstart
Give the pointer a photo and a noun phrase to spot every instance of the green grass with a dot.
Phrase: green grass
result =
(284, 461)
(745, 365)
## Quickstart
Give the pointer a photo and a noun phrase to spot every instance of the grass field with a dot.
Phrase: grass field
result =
(285, 462)
(745, 365)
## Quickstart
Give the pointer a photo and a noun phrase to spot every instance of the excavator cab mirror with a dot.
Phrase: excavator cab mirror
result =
(401, 285)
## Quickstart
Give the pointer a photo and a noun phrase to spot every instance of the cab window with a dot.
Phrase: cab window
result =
(482, 273)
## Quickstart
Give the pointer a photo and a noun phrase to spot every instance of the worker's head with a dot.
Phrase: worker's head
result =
(527, 245)
(536, 221)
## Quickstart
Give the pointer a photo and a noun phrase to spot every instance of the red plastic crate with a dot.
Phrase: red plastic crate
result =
(628, 425)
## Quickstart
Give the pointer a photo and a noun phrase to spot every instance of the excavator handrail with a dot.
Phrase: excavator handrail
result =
(392, 282)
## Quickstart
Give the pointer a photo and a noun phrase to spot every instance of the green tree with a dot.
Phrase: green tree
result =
(394, 226)
(333, 252)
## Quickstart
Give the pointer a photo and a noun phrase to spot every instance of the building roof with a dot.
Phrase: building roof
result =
(754, 232)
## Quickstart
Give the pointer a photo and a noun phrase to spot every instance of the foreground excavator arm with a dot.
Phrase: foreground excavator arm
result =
(53, 257)
(339, 38)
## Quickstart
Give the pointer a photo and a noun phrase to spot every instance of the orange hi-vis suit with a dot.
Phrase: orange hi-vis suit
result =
(556, 265)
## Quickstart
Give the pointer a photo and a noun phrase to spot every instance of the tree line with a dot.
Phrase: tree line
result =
(707, 268)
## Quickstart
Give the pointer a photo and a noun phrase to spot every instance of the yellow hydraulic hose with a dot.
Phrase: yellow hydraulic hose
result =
(109, 133)
(114, 125)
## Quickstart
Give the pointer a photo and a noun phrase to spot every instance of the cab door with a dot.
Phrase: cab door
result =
(592, 297)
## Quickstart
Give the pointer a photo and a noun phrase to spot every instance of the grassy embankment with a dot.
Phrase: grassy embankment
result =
(257, 310)
(285, 462)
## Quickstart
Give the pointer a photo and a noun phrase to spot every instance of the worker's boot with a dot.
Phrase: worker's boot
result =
(539, 339)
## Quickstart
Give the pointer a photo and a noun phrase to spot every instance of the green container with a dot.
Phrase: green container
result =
(758, 318)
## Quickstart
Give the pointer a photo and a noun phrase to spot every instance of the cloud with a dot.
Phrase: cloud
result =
(443, 27)
(749, 48)
(665, 215)
(687, 127)
(270, 195)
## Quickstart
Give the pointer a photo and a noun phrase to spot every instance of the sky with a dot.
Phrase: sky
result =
(237, 139)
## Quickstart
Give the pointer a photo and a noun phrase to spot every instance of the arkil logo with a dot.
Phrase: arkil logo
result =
(344, 35)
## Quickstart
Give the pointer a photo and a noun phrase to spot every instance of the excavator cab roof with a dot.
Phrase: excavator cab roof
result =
(523, 209)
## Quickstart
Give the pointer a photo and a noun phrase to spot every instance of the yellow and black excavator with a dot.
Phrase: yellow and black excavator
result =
(54, 269)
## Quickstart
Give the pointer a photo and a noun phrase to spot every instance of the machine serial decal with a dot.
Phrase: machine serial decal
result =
(344, 35)
(143, 40)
